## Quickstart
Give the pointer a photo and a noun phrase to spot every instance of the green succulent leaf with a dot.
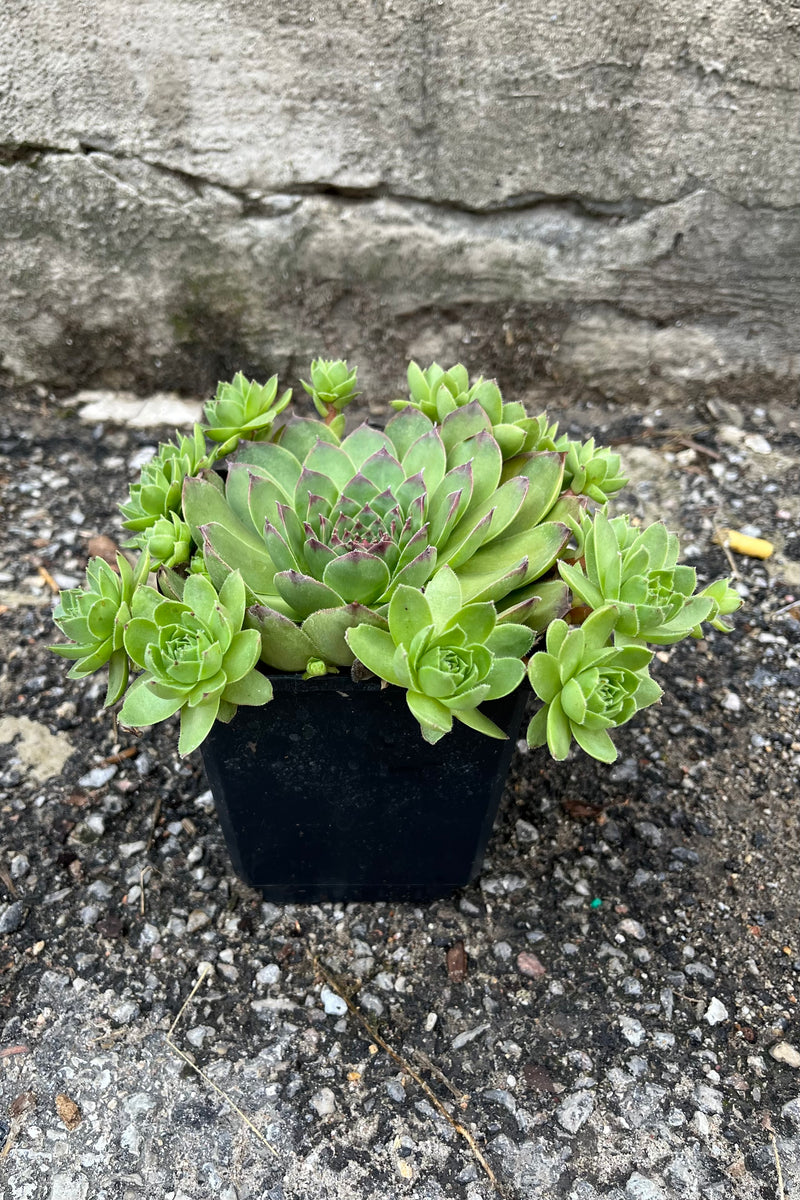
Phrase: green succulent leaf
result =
(253, 689)
(284, 645)
(327, 629)
(375, 648)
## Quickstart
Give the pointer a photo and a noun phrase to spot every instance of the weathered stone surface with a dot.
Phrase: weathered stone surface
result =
(39, 751)
(608, 198)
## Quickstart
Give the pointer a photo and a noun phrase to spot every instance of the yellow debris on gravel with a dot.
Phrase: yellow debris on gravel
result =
(742, 543)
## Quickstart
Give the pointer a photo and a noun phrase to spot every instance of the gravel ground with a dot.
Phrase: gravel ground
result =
(621, 1023)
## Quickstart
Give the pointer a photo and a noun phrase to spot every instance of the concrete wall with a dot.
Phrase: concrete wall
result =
(602, 196)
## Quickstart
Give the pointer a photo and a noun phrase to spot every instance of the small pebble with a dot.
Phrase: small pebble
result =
(784, 1052)
(503, 884)
(575, 1110)
(19, 866)
(128, 849)
(469, 1035)
(757, 443)
(324, 1102)
(716, 1012)
(371, 1004)
(89, 914)
(526, 832)
(333, 1004)
(698, 970)
(501, 1096)
(530, 965)
(709, 1100)
(639, 1187)
(632, 929)
(123, 1011)
(700, 1124)
(271, 973)
(197, 920)
(632, 1030)
(97, 776)
(12, 918)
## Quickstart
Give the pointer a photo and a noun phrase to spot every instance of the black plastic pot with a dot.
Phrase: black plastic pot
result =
(330, 793)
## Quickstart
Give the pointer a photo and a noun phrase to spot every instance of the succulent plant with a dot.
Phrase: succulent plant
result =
(243, 409)
(195, 657)
(437, 393)
(726, 600)
(587, 686)
(638, 572)
(157, 493)
(589, 470)
(332, 387)
(94, 617)
(431, 553)
(168, 541)
(592, 471)
(317, 526)
(449, 656)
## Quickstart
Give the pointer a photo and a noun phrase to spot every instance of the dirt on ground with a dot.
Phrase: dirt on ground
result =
(608, 1013)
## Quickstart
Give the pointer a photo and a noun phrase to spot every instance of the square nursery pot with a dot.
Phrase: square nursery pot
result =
(331, 793)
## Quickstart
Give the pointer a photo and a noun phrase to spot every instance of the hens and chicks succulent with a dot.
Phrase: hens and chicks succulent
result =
(434, 553)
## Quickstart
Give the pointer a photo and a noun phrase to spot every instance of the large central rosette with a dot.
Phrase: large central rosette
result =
(328, 530)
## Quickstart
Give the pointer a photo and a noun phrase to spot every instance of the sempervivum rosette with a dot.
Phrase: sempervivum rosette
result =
(243, 409)
(196, 658)
(588, 686)
(94, 617)
(637, 570)
(324, 532)
(449, 656)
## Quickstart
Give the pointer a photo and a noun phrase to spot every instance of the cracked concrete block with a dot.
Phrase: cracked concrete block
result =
(579, 195)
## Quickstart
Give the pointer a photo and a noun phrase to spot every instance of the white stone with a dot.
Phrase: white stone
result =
(784, 1052)
(43, 753)
(469, 1035)
(334, 1004)
(716, 1012)
(271, 973)
(709, 1100)
(123, 408)
(574, 1110)
(757, 443)
(639, 1187)
(632, 929)
(98, 776)
(197, 920)
(69, 1186)
(700, 1124)
(324, 1102)
(19, 866)
(632, 1030)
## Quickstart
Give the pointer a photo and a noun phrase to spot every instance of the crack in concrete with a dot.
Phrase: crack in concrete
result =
(256, 203)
